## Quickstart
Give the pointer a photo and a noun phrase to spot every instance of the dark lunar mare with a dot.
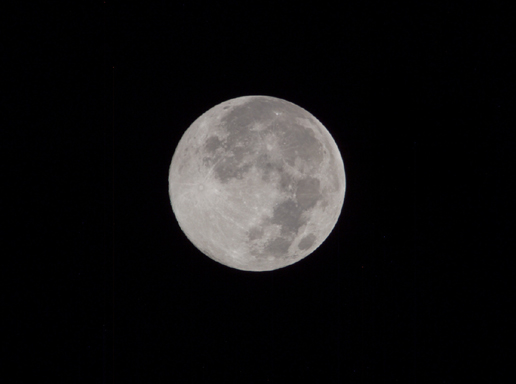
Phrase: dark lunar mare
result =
(306, 242)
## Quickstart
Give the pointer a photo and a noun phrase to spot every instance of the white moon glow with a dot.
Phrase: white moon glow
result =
(257, 183)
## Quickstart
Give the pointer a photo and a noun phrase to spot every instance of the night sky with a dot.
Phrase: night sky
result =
(415, 282)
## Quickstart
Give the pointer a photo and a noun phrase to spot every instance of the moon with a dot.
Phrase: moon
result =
(257, 183)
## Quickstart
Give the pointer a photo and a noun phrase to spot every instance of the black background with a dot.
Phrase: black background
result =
(414, 284)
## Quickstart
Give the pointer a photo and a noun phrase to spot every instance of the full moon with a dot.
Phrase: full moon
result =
(257, 183)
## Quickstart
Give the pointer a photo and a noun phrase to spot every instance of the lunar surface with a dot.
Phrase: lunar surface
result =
(257, 183)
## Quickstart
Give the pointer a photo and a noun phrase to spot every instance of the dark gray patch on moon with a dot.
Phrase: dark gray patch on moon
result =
(306, 242)
(266, 164)
(301, 142)
(269, 165)
(235, 157)
(255, 233)
(231, 168)
(237, 153)
(288, 215)
(278, 246)
(212, 144)
(255, 110)
(307, 192)
(286, 181)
